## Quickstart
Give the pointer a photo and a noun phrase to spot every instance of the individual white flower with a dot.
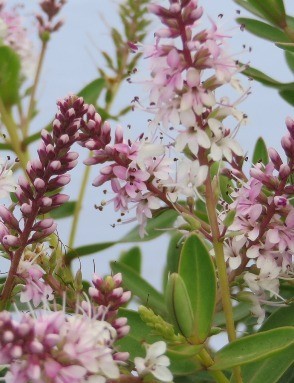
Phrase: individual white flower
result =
(155, 363)
(232, 251)
(191, 175)
(194, 138)
(7, 183)
(222, 144)
(267, 278)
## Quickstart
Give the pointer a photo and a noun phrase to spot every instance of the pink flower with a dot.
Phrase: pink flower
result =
(133, 177)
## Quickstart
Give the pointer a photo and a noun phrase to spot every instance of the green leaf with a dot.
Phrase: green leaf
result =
(271, 369)
(290, 59)
(272, 10)
(132, 281)
(253, 348)
(284, 316)
(132, 258)
(288, 95)
(286, 46)
(241, 311)
(154, 228)
(260, 152)
(263, 30)
(65, 210)
(265, 79)
(9, 76)
(91, 92)
(197, 270)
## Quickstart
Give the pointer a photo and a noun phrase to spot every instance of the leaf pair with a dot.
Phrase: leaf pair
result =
(190, 293)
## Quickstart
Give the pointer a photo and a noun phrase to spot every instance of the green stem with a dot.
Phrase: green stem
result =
(34, 89)
(78, 206)
(207, 361)
(221, 268)
(12, 129)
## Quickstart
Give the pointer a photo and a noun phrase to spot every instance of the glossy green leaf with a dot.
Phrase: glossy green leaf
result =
(9, 76)
(263, 30)
(91, 91)
(260, 152)
(271, 369)
(290, 59)
(288, 95)
(197, 270)
(272, 10)
(286, 46)
(65, 210)
(139, 287)
(253, 348)
(132, 258)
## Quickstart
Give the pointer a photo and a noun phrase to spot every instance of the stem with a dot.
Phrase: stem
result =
(34, 89)
(74, 225)
(9, 283)
(221, 268)
(12, 129)
(207, 361)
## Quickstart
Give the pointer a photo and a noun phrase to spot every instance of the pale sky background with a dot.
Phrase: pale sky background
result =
(71, 62)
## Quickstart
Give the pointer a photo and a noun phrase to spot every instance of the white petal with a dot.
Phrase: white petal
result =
(203, 139)
(187, 118)
(163, 374)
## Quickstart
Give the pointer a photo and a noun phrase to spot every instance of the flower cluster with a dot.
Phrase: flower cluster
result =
(51, 9)
(264, 222)
(148, 172)
(14, 35)
(39, 194)
(57, 348)
(107, 296)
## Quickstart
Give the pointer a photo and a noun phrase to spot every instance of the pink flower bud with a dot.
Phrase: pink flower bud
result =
(275, 157)
(46, 137)
(290, 125)
(3, 231)
(123, 331)
(39, 184)
(117, 278)
(284, 171)
(46, 201)
(8, 217)
(10, 240)
(44, 224)
(38, 235)
(55, 165)
(26, 209)
(59, 199)
(121, 356)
